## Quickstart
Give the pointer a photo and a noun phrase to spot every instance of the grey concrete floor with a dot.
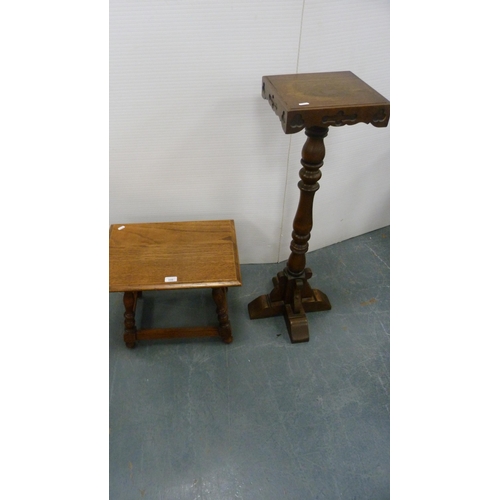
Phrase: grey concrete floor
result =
(261, 418)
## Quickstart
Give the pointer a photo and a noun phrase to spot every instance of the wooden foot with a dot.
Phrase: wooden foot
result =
(296, 324)
(292, 298)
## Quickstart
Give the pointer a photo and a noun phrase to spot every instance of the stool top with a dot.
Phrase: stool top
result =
(324, 99)
(173, 255)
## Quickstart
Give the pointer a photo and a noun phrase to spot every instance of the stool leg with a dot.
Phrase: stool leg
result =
(130, 335)
(220, 299)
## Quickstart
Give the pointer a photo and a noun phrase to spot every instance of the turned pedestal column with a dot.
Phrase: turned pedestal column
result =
(312, 102)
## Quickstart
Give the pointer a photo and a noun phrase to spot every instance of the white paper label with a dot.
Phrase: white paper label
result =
(170, 279)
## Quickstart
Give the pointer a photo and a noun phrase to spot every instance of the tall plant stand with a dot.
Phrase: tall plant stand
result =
(314, 102)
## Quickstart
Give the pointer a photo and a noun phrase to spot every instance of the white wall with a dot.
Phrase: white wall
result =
(192, 138)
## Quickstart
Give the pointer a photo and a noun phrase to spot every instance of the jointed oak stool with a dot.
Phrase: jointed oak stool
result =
(312, 101)
(170, 256)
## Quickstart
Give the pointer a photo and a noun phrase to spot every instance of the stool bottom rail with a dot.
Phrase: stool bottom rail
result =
(174, 333)
(132, 334)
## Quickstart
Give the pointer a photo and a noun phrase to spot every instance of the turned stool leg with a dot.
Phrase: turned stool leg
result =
(220, 299)
(130, 335)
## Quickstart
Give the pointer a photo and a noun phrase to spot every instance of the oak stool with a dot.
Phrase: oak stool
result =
(172, 256)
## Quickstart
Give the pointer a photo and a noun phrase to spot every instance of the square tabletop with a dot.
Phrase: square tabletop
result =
(173, 255)
(324, 99)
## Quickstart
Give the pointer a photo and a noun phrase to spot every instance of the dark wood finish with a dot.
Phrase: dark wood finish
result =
(220, 299)
(292, 294)
(312, 101)
(174, 255)
(130, 334)
(324, 99)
